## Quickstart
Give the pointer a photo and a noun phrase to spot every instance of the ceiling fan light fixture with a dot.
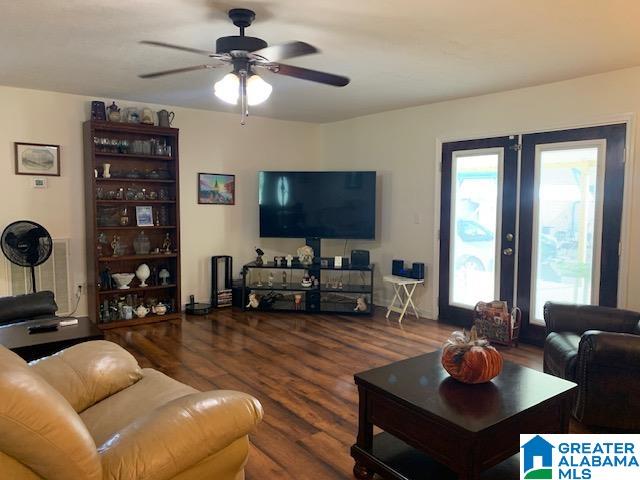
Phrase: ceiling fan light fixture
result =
(258, 90)
(228, 88)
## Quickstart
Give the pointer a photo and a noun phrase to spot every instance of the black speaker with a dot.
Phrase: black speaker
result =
(360, 258)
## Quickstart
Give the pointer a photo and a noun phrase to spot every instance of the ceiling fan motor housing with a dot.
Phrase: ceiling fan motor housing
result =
(248, 44)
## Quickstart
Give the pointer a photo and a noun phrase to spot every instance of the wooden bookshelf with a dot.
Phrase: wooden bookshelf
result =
(105, 198)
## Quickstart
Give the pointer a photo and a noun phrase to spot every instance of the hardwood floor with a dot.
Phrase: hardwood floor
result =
(299, 366)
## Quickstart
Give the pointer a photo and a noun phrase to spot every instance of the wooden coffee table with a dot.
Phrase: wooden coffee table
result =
(17, 338)
(436, 427)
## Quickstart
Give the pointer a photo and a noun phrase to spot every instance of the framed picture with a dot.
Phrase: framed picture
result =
(216, 189)
(144, 216)
(37, 159)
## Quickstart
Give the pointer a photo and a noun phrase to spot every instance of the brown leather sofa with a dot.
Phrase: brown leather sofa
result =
(599, 349)
(91, 413)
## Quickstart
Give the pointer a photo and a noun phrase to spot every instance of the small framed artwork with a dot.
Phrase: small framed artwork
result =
(144, 216)
(216, 189)
(37, 159)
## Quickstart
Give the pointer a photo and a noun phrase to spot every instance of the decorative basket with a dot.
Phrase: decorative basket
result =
(494, 322)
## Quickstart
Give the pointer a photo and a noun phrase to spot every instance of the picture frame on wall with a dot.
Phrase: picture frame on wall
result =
(144, 216)
(216, 189)
(37, 159)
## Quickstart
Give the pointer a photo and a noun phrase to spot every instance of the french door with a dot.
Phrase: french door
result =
(569, 182)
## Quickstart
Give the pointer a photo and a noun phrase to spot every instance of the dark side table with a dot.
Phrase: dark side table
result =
(16, 337)
(436, 427)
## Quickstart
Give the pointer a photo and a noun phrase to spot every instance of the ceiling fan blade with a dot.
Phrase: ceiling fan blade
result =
(179, 47)
(176, 70)
(275, 53)
(311, 75)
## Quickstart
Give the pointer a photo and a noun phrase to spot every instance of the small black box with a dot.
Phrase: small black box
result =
(360, 258)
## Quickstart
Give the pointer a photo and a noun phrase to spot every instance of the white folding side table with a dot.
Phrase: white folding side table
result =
(400, 284)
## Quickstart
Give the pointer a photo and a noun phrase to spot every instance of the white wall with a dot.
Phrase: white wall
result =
(401, 146)
(209, 142)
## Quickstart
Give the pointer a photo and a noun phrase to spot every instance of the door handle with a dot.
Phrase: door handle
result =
(507, 251)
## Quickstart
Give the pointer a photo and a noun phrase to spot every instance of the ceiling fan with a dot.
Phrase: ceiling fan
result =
(246, 55)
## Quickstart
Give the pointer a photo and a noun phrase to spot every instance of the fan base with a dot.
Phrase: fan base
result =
(242, 17)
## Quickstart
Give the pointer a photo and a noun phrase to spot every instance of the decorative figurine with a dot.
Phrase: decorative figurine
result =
(102, 240)
(339, 285)
(306, 280)
(270, 280)
(166, 245)
(316, 282)
(297, 301)
(143, 272)
(284, 279)
(278, 261)
(254, 301)
(115, 245)
(305, 255)
(114, 112)
(361, 305)
(164, 276)
(259, 253)
(106, 170)
(289, 259)
(259, 284)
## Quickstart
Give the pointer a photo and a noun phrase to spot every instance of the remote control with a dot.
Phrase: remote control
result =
(50, 327)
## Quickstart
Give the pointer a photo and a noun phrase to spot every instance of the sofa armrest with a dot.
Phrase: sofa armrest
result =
(89, 372)
(26, 307)
(618, 350)
(178, 435)
(580, 318)
(608, 377)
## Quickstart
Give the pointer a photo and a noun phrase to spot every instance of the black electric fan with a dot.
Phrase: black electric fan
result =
(27, 244)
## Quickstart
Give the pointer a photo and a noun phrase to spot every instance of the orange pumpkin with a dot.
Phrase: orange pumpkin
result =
(470, 359)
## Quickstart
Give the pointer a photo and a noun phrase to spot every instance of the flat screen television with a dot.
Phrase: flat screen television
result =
(317, 204)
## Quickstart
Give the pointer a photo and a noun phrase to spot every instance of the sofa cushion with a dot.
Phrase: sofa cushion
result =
(89, 372)
(38, 427)
(117, 411)
(561, 354)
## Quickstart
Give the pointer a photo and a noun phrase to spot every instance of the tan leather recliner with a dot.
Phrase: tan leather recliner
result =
(91, 413)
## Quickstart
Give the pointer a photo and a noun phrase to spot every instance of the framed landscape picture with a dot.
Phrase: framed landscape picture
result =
(37, 159)
(216, 189)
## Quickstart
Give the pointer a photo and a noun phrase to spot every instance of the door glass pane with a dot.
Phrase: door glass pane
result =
(475, 199)
(565, 227)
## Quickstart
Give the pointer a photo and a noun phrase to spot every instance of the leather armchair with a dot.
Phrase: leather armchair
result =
(599, 349)
(90, 412)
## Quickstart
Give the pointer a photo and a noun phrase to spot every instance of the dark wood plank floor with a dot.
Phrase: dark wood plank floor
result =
(299, 366)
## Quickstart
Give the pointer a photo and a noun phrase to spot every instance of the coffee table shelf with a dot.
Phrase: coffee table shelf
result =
(401, 461)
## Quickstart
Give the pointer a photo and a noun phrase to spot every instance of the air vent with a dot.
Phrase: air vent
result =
(51, 275)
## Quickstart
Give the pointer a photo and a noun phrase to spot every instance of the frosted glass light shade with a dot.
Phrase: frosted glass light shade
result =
(257, 90)
(228, 88)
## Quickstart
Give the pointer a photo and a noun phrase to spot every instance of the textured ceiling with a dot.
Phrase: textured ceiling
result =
(397, 53)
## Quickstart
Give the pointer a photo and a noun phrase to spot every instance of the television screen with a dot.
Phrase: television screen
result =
(317, 204)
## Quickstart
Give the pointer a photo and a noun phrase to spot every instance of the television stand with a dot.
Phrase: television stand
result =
(280, 289)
